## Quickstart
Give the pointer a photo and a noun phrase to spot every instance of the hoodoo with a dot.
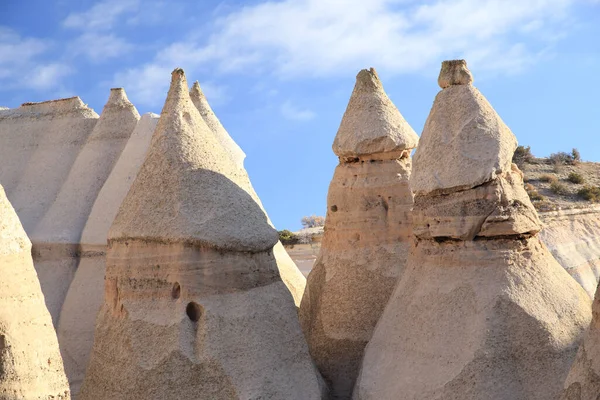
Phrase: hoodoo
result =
(86, 293)
(30, 363)
(367, 233)
(57, 235)
(195, 307)
(230, 146)
(482, 310)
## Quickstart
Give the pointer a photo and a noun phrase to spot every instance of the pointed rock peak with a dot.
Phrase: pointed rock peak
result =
(202, 199)
(13, 238)
(454, 72)
(464, 142)
(372, 124)
(201, 103)
(118, 98)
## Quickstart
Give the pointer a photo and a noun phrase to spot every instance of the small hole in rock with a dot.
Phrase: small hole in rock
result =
(334, 208)
(176, 292)
(193, 311)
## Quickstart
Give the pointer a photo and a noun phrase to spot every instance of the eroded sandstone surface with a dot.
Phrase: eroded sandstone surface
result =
(367, 233)
(195, 306)
(482, 310)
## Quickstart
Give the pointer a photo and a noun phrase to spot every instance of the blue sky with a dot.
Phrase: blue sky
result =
(279, 73)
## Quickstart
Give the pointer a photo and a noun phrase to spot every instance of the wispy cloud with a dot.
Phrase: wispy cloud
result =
(99, 47)
(23, 63)
(102, 16)
(321, 38)
(290, 111)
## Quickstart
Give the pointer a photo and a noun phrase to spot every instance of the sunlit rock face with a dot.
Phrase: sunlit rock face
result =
(195, 306)
(367, 233)
(30, 364)
(482, 310)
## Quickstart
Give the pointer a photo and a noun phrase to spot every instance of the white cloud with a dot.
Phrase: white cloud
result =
(23, 63)
(102, 15)
(99, 47)
(290, 111)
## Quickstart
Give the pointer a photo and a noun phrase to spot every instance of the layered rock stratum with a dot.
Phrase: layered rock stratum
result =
(30, 364)
(482, 310)
(195, 306)
(367, 233)
(86, 293)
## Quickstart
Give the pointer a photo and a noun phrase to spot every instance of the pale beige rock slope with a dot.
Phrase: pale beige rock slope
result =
(86, 293)
(367, 233)
(573, 237)
(482, 310)
(39, 143)
(194, 304)
(56, 237)
(30, 363)
(583, 382)
(199, 100)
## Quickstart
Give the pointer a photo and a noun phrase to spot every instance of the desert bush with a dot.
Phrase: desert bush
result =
(548, 178)
(522, 155)
(590, 193)
(562, 158)
(288, 237)
(576, 156)
(559, 188)
(575, 177)
(312, 221)
(534, 195)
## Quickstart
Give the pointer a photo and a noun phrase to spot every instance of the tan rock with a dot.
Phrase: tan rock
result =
(56, 237)
(482, 310)
(215, 125)
(30, 363)
(365, 244)
(371, 123)
(583, 382)
(194, 303)
(454, 72)
(573, 237)
(86, 293)
(464, 143)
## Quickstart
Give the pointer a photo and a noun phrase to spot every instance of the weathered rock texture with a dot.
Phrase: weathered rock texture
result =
(30, 363)
(583, 382)
(573, 237)
(367, 234)
(86, 292)
(56, 237)
(482, 310)
(194, 304)
(230, 146)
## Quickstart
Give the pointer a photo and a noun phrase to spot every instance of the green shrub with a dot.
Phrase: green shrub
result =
(288, 237)
(576, 156)
(590, 193)
(575, 177)
(558, 188)
(548, 178)
(522, 155)
(562, 158)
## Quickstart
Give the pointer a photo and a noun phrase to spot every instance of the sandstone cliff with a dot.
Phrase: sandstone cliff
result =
(194, 303)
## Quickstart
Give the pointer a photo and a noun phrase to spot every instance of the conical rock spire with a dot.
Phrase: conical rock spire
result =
(371, 123)
(199, 197)
(30, 363)
(199, 100)
(464, 142)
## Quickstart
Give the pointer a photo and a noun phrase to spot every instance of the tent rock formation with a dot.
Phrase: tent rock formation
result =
(367, 233)
(194, 303)
(30, 364)
(482, 310)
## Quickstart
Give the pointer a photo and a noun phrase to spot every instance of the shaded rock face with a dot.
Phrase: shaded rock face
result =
(366, 238)
(85, 296)
(196, 309)
(573, 237)
(471, 316)
(583, 382)
(30, 364)
(57, 235)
